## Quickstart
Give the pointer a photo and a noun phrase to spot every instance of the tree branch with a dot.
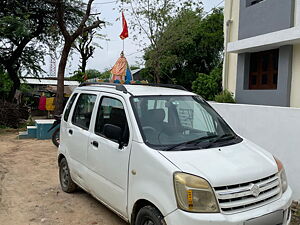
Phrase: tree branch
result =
(93, 26)
(60, 19)
(83, 21)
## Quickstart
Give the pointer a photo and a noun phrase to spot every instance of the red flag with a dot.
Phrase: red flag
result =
(124, 33)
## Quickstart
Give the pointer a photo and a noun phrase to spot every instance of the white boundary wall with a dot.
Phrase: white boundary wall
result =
(277, 129)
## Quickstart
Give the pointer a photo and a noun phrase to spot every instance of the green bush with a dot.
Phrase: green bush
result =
(225, 97)
(208, 86)
(5, 84)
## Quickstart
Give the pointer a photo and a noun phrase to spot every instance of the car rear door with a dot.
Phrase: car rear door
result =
(107, 163)
(78, 134)
(65, 121)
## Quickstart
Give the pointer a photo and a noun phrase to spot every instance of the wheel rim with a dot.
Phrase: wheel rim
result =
(57, 137)
(64, 175)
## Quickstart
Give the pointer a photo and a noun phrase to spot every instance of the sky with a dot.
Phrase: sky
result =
(105, 58)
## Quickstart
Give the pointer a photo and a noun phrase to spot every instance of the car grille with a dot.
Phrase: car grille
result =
(242, 197)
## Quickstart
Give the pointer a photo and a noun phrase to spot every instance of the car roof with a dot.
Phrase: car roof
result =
(137, 90)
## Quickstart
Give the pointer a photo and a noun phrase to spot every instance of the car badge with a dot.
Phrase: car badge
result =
(255, 190)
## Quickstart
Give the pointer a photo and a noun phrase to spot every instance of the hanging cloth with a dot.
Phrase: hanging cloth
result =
(42, 103)
(50, 104)
(119, 69)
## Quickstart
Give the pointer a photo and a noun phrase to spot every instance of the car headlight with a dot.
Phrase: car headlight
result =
(282, 174)
(194, 194)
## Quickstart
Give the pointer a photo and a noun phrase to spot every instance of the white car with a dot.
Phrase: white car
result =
(158, 154)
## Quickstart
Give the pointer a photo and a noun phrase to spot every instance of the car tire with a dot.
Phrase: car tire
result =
(149, 215)
(55, 137)
(66, 182)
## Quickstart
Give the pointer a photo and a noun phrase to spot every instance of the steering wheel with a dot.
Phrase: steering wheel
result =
(152, 129)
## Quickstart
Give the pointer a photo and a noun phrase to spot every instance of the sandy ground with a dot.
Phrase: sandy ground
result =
(30, 193)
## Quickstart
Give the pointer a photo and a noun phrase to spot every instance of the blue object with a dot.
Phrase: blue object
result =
(128, 75)
(42, 130)
(39, 131)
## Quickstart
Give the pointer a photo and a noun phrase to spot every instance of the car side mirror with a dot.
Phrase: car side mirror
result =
(113, 132)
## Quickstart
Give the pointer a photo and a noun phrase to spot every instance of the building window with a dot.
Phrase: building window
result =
(264, 70)
(252, 2)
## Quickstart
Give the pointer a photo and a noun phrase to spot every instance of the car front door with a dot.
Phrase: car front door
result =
(78, 135)
(108, 164)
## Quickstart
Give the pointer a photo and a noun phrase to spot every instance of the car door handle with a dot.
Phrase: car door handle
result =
(71, 132)
(95, 143)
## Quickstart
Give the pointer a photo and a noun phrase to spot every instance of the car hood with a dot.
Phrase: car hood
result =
(230, 165)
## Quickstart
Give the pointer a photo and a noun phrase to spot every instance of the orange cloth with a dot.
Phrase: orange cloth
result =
(119, 70)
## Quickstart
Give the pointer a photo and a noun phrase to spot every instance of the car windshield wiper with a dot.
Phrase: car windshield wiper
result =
(221, 138)
(195, 141)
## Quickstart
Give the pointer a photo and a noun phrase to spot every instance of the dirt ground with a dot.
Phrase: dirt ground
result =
(30, 193)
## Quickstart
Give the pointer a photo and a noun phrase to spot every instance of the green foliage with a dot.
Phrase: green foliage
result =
(24, 27)
(78, 76)
(225, 97)
(5, 84)
(134, 67)
(27, 29)
(150, 18)
(189, 45)
(91, 73)
(208, 85)
(25, 88)
(105, 75)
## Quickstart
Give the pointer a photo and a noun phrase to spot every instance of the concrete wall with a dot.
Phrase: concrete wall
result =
(277, 129)
(295, 88)
(231, 12)
(265, 17)
(278, 97)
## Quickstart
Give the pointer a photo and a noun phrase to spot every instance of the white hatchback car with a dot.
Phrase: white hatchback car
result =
(158, 154)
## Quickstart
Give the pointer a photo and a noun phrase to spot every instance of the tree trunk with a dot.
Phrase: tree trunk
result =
(59, 102)
(83, 65)
(13, 75)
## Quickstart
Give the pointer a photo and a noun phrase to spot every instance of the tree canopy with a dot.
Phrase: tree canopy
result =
(189, 45)
(24, 27)
(28, 28)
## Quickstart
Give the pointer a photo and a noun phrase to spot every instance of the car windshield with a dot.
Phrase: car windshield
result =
(180, 122)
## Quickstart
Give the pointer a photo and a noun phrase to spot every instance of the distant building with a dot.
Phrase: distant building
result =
(136, 74)
(49, 84)
(262, 51)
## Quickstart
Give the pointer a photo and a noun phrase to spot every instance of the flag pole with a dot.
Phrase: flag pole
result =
(123, 44)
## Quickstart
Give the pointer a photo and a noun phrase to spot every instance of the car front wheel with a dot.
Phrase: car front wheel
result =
(149, 215)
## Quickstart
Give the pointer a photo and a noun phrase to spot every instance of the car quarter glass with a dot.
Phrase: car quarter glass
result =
(69, 106)
(83, 110)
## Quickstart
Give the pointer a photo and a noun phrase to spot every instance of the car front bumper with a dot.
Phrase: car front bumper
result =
(179, 217)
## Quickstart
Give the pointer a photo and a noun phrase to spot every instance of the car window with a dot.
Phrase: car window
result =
(69, 106)
(111, 111)
(83, 110)
(171, 120)
(187, 110)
